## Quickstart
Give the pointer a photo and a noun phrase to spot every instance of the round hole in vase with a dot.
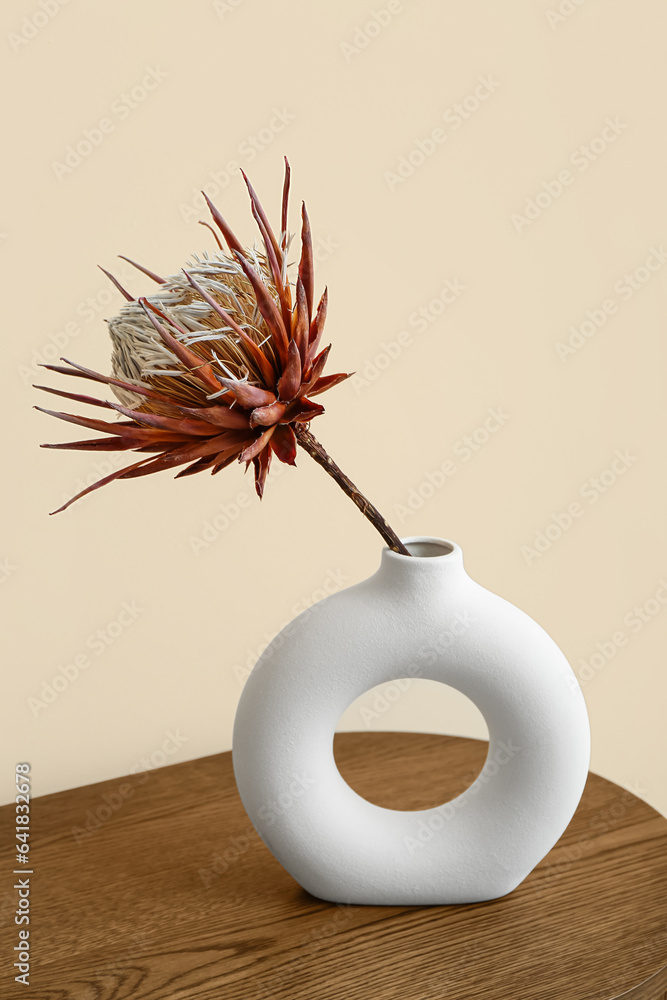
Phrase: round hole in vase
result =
(440, 708)
(478, 846)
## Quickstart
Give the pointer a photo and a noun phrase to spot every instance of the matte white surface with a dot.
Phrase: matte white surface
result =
(422, 616)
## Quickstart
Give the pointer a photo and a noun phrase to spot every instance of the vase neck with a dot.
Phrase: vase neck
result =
(434, 558)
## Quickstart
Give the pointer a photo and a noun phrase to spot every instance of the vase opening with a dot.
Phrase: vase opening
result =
(427, 548)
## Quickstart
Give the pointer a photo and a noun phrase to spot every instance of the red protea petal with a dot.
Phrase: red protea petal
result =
(144, 270)
(283, 290)
(259, 211)
(167, 319)
(285, 200)
(189, 452)
(180, 425)
(315, 370)
(216, 462)
(248, 395)
(82, 372)
(267, 307)
(141, 441)
(227, 440)
(300, 321)
(262, 463)
(102, 482)
(264, 416)
(263, 363)
(167, 445)
(221, 416)
(301, 410)
(217, 240)
(222, 461)
(273, 251)
(76, 396)
(217, 416)
(127, 431)
(283, 443)
(254, 448)
(179, 456)
(92, 444)
(317, 326)
(327, 381)
(196, 365)
(94, 425)
(290, 380)
(306, 268)
(230, 239)
(201, 465)
(116, 282)
(157, 464)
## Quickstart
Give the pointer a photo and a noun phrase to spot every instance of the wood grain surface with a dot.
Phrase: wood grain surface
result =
(156, 887)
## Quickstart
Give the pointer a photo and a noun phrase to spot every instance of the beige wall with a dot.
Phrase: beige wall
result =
(182, 87)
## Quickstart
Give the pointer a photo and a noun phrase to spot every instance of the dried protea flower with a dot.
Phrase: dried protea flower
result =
(218, 364)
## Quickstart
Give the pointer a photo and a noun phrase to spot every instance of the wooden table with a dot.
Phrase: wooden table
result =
(156, 887)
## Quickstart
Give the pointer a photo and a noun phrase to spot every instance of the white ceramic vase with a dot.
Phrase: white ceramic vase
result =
(418, 615)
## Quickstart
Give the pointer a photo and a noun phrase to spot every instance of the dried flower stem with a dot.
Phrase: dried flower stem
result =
(310, 444)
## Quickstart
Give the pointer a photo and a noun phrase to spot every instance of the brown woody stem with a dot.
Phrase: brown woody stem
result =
(310, 444)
